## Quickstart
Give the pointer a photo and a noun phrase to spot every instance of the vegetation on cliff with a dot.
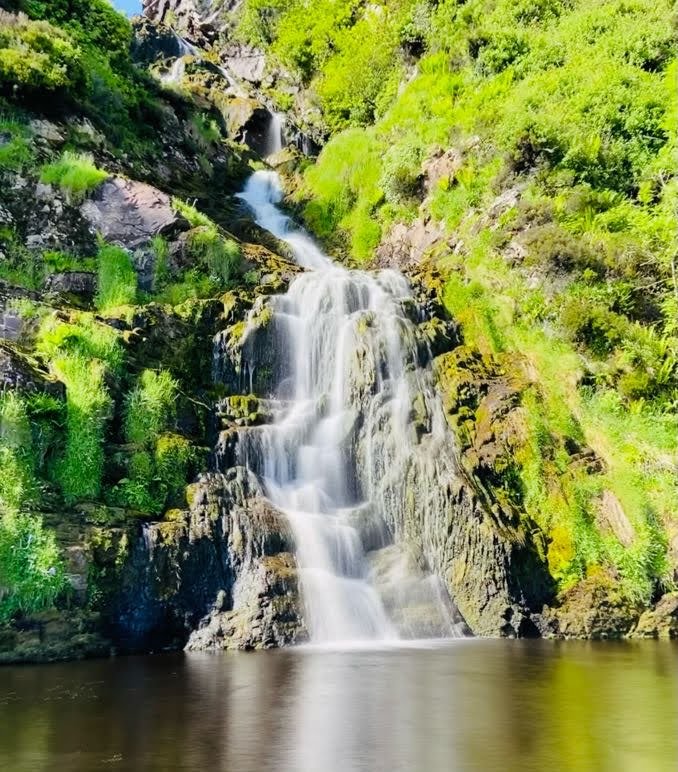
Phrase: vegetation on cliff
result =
(541, 138)
(94, 418)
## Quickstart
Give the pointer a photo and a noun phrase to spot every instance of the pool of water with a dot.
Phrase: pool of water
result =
(467, 705)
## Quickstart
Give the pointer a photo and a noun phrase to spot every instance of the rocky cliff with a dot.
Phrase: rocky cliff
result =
(130, 273)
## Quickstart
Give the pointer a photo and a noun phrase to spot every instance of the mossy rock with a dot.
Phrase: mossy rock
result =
(595, 608)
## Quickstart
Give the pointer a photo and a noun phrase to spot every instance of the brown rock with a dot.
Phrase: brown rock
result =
(661, 621)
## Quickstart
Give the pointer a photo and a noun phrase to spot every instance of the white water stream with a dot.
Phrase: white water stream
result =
(352, 357)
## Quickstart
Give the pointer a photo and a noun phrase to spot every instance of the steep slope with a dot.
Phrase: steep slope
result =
(523, 157)
(531, 206)
(113, 287)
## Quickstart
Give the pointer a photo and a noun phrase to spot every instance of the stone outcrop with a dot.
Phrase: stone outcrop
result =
(19, 373)
(221, 568)
(660, 621)
(130, 213)
(595, 608)
(73, 286)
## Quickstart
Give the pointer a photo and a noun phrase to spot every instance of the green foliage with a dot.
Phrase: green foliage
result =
(345, 189)
(81, 337)
(195, 218)
(117, 279)
(82, 354)
(18, 486)
(401, 173)
(192, 285)
(567, 109)
(75, 174)
(89, 407)
(149, 407)
(21, 266)
(161, 263)
(31, 568)
(16, 150)
(215, 259)
(174, 458)
(347, 49)
(159, 466)
(35, 55)
(86, 62)
(62, 262)
(219, 257)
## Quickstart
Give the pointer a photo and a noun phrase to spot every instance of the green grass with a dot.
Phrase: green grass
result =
(83, 354)
(219, 257)
(149, 406)
(160, 462)
(569, 105)
(89, 407)
(75, 173)
(194, 217)
(16, 151)
(31, 568)
(117, 279)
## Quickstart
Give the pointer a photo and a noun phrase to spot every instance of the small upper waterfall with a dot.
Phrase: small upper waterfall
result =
(176, 72)
(338, 457)
(275, 134)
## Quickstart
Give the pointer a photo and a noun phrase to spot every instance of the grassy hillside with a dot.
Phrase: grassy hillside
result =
(560, 203)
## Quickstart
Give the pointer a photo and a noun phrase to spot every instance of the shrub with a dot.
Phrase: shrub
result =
(161, 265)
(74, 173)
(194, 218)
(174, 456)
(83, 337)
(192, 285)
(401, 173)
(117, 279)
(31, 570)
(82, 354)
(591, 323)
(18, 486)
(554, 248)
(35, 55)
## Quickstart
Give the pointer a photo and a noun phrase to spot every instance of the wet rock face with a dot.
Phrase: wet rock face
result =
(219, 575)
(266, 612)
(200, 20)
(245, 62)
(247, 120)
(154, 41)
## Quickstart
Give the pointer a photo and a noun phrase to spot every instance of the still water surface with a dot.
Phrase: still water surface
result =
(470, 705)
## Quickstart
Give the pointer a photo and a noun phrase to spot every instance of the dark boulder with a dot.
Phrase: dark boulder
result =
(130, 213)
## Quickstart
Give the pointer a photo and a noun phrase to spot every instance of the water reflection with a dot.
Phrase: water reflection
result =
(472, 705)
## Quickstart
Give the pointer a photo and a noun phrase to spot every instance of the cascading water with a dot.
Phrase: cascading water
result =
(175, 74)
(343, 445)
(275, 134)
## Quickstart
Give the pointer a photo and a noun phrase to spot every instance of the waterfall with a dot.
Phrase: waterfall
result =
(176, 73)
(344, 447)
(275, 134)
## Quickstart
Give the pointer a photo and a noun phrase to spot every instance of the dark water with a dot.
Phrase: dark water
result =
(471, 705)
